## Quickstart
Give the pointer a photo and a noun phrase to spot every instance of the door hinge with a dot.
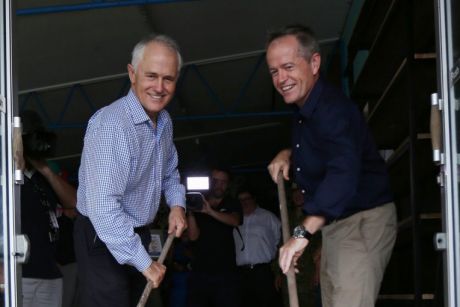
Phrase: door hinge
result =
(435, 101)
(22, 248)
(2, 104)
(440, 241)
(441, 179)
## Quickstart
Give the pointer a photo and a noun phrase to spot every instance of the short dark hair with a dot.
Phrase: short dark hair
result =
(304, 35)
(245, 189)
(249, 189)
(223, 169)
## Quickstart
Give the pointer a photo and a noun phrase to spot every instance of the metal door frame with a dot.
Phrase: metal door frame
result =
(10, 192)
(449, 169)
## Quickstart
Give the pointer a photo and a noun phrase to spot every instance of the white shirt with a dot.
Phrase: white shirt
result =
(261, 232)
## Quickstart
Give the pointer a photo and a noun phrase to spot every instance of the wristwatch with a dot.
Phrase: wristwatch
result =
(301, 233)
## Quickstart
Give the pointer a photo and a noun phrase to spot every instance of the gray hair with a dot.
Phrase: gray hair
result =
(138, 51)
(304, 35)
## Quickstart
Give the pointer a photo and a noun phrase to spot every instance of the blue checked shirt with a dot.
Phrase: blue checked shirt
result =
(126, 164)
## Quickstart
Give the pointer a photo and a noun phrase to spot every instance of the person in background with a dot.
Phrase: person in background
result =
(214, 277)
(43, 191)
(65, 253)
(338, 169)
(179, 259)
(128, 162)
(66, 258)
(256, 243)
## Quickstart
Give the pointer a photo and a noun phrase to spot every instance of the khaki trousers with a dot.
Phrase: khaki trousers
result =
(355, 253)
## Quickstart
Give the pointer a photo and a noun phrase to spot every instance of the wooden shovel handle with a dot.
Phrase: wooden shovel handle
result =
(148, 287)
(291, 280)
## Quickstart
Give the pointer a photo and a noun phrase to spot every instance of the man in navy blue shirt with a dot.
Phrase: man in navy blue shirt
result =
(214, 278)
(338, 169)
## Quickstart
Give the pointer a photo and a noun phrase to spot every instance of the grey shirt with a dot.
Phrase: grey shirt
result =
(261, 232)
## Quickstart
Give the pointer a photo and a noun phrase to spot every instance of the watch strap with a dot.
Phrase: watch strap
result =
(301, 233)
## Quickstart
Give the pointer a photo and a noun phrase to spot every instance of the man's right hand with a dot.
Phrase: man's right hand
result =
(155, 273)
(290, 252)
(280, 163)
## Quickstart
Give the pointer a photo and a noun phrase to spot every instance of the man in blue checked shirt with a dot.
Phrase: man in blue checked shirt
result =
(128, 161)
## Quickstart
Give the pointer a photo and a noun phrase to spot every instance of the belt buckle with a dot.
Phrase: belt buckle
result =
(247, 266)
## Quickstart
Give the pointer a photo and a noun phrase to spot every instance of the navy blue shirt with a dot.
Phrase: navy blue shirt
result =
(335, 161)
(35, 222)
(214, 250)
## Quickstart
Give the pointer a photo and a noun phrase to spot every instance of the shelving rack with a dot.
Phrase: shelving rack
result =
(391, 73)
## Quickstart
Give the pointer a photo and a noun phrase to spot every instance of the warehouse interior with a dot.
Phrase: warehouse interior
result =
(225, 107)
(71, 60)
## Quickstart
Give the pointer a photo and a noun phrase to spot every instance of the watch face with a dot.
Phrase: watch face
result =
(299, 232)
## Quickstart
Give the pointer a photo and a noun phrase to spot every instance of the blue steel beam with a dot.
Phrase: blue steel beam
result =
(89, 6)
(70, 96)
(215, 98)
(38, 103)
(243, 90)
(223, 113)
(57, 126)
(231, 115)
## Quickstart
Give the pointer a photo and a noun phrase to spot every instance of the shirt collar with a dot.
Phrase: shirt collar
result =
(29, 173)
(312, 100)
(135, 108)
(138, 113)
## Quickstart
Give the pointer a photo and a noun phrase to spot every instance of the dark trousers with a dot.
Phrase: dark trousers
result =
(258, 286)
(103, 281)
(214, 290)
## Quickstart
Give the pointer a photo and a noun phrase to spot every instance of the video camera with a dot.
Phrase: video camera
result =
(194, 197)
(38, 142)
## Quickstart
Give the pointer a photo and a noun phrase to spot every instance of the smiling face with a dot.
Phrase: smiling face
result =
(293, 76)
(154, 80)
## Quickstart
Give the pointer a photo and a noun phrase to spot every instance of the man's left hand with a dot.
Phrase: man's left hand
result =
(40, 165)
(155, 273)
(206, 207)
(177, 221)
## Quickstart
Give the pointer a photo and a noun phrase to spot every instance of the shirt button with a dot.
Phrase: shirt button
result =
(300, 121)
(297, 145)
(303, 191)
(298, 169)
